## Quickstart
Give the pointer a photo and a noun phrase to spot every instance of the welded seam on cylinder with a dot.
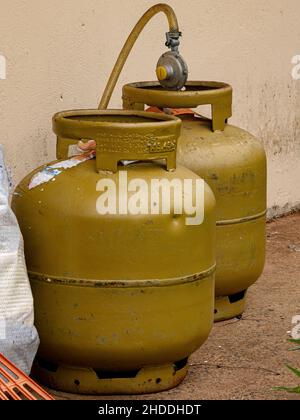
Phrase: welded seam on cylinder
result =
(241, 220)
(123, 283)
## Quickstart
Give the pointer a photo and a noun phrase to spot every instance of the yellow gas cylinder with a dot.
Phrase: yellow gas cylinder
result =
(123, 294)
(233, 163)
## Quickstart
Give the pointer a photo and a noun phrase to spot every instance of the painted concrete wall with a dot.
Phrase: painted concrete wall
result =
(59, 54)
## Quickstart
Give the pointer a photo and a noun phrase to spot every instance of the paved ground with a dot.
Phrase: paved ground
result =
(245, 359)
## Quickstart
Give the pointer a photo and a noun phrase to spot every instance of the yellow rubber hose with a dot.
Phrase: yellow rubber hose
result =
(112, 81)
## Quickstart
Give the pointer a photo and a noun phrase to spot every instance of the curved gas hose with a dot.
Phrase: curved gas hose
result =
(173, 25)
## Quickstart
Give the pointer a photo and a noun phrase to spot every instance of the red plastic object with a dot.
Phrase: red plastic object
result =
(173, 111)
(15, 385)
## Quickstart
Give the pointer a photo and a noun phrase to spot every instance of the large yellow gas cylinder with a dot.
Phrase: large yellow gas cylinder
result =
(122, 298)
(233, 163)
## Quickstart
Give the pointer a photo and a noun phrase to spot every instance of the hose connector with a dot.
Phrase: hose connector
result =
(173, 41)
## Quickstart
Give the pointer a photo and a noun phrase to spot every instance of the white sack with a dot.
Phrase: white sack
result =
(18, 337)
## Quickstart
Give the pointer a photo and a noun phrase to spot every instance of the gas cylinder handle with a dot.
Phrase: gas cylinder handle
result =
(119, 135)
(216, 94)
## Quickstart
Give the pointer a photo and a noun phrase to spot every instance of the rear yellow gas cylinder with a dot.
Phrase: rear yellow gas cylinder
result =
(233, 163)
(121, 299)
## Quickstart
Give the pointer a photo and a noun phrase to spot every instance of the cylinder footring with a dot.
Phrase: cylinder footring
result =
(91, 381)
(227, 307)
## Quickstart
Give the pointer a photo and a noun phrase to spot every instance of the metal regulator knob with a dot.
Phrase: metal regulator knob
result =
(171, 69)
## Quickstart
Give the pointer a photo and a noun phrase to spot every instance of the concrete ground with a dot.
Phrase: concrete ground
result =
(245, 358)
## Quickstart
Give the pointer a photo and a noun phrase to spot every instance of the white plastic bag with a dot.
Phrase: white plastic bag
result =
(18, 337)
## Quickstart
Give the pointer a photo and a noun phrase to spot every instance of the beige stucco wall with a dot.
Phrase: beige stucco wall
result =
(59, 54)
